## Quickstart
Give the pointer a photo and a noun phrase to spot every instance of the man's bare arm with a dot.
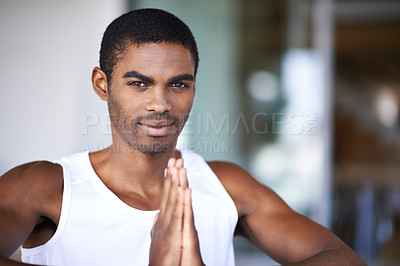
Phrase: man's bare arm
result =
(29, 194)
(268, 222)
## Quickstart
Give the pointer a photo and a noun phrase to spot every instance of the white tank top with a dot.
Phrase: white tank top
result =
(97, 228)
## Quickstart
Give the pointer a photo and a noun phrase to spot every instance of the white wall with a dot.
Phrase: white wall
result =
(47, 51)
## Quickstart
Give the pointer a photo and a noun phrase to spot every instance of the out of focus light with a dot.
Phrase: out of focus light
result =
(263, 86)
(269, 162)
(386, 108)
(302, 81)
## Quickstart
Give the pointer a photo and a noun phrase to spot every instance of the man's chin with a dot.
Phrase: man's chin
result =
(155, 148)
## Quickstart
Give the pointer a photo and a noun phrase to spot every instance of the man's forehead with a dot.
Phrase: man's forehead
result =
(154, 47)
(150, 56)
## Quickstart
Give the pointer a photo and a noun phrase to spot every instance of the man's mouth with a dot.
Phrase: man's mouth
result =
(156, 128)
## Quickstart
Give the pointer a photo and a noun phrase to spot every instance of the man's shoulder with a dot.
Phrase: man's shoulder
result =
(233, 177)
(32, 178)
(245, 190)
(34, 170)
(228, 171)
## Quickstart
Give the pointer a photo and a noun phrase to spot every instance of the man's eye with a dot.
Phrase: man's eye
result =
(136, 84)
(180, 85)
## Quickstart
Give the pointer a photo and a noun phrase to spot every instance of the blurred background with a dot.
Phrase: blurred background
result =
(303, 94)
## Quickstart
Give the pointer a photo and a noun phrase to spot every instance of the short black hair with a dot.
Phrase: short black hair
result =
(143, 26)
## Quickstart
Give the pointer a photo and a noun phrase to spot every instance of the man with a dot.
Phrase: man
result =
(141, 201)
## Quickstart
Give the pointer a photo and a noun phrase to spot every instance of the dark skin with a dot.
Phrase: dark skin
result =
(150, 80)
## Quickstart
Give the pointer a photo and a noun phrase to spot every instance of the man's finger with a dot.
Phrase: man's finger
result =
(155, 219)
(188, 219)
(171, 162)
(165, 191)
(172, 195)
(154, 223)
(183, 182)
(179, 163)
(177, 215)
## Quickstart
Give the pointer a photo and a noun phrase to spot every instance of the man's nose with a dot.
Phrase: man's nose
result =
(158, 100)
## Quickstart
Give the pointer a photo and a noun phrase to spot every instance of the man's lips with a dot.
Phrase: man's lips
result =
(157, 123)
(157, 128)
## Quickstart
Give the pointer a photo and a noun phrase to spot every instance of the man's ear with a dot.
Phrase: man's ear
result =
(99, 82)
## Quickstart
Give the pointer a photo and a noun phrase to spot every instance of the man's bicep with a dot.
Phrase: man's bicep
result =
(270, 224)
(14, 229)
(21, 195)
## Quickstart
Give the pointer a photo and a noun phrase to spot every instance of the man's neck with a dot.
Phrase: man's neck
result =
(131, 170)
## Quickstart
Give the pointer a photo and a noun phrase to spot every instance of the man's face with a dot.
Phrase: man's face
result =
(151, 94)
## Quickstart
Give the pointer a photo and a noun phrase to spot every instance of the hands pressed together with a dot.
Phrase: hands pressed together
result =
(174, 239)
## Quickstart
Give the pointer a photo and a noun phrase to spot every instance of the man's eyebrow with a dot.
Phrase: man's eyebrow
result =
(134, 74)
(181, 77)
